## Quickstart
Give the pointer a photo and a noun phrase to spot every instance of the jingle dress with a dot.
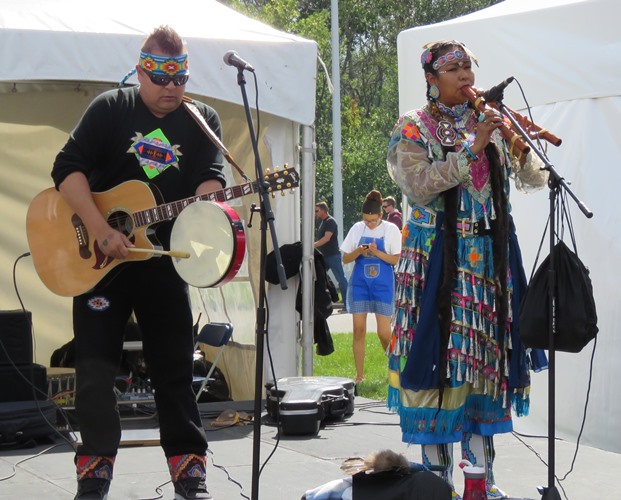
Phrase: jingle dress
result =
(475, 399)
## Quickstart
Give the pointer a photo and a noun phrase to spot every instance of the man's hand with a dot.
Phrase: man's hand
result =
(114, 244)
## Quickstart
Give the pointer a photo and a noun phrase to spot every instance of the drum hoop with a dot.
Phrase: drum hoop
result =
(237, 252)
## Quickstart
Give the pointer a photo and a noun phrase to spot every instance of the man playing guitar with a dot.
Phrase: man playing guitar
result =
(138, 133)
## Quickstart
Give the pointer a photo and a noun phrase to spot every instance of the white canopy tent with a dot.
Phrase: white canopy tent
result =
(564, 54)
(59, 54)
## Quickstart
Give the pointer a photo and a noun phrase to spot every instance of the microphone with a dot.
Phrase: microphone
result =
(496, 93)
(231, 58)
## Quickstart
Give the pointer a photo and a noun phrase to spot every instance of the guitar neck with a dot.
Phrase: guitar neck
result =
(169, 211)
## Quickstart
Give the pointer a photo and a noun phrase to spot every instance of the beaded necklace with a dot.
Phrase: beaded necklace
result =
(449, 134)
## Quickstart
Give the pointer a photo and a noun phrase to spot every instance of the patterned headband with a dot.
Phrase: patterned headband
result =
(460, 54)
(164, 65)
(450, 57)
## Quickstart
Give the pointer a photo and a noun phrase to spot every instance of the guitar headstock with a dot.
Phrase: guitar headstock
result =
(281, 180)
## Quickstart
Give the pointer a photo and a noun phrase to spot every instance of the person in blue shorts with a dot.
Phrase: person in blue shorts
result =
(374, 246)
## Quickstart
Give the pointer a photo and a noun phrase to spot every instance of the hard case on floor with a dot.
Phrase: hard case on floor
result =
(22, 422)
(302, 403)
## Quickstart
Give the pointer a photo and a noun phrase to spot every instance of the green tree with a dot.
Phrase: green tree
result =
(368, 32)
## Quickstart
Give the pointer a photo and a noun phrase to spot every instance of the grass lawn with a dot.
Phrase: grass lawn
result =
(341, 364)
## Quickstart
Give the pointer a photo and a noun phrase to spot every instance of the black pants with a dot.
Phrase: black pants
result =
(159, 298)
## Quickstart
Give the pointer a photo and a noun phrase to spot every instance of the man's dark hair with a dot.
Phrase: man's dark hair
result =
(166, 39)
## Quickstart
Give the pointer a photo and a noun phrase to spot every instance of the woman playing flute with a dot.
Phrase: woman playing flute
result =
(457, 366)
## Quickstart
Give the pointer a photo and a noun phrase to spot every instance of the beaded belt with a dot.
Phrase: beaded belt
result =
(465, 227)
(426, 217)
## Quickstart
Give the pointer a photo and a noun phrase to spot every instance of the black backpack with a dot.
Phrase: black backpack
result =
(576, 317)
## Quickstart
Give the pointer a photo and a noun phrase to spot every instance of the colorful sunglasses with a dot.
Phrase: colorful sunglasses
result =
(163, 80)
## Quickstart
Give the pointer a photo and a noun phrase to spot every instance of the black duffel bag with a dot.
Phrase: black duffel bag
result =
(576, 317)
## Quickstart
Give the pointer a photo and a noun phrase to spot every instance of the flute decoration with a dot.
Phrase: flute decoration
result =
(533, 130)
(517, 145)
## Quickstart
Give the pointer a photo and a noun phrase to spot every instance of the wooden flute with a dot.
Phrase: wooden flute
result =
(517, 145)
(533, 130)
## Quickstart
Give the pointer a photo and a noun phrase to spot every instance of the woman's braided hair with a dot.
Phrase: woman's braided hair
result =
(500, 232)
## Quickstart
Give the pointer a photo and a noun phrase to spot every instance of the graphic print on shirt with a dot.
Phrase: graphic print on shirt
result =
(371, 270)
(371, 264)
(154, 152)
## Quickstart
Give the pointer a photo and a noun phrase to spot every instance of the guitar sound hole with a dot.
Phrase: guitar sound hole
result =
(122, 222)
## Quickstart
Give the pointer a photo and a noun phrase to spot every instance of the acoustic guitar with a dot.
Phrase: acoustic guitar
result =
(69, 261)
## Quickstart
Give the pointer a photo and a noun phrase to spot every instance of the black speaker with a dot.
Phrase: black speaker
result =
(17, 385)
(15, 335)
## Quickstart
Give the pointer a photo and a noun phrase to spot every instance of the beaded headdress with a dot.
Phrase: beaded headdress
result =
(462, 53)
(164, 65)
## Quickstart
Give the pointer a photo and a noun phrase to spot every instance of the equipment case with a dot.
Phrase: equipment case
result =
(302, 403)
(24, 421)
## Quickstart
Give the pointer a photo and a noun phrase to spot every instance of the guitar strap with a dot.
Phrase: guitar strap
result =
(202, 123)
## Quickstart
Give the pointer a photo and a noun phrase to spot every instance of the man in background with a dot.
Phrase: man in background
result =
(328, 244)
(392, 214)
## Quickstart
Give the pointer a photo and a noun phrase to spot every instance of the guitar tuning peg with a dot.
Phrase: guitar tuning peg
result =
(267, 171)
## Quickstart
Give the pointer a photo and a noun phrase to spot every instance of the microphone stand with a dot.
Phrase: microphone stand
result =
(267, 218)
(555, 184)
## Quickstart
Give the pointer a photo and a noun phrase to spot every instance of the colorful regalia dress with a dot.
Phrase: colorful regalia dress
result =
(483, 377)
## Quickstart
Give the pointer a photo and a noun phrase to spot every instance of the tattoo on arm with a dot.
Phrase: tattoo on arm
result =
(108, 240)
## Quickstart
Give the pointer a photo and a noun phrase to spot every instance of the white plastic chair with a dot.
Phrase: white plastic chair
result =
(216, 335)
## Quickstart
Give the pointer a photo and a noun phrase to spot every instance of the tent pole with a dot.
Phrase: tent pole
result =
(337, 167)
(308, 261)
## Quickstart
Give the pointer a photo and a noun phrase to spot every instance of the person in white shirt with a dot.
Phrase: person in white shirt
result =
(375, 246)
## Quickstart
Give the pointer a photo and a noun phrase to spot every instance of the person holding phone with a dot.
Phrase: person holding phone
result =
(374, 246)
